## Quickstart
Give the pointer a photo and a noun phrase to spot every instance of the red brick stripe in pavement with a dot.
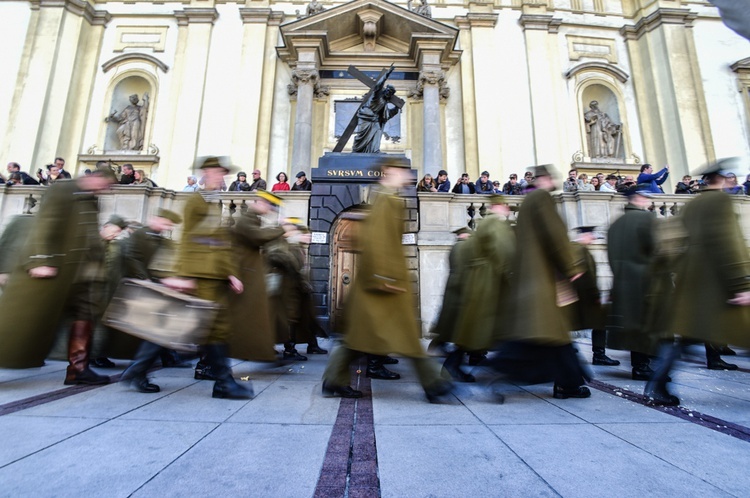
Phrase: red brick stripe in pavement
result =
(350, 467)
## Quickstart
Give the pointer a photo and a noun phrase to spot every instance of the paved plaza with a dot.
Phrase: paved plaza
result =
(291, 442)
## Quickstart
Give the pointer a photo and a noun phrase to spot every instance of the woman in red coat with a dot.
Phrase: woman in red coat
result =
(282, 184)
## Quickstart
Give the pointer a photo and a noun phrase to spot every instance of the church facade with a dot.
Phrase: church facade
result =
(603, 85)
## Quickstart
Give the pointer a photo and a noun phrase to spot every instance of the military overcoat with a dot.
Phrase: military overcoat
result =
(62, 236)
(489, 254)
(715, 267)
(381, 309)
(452, 299)
(630, 248)
(587, 312)
(543, 259)
(253, 333)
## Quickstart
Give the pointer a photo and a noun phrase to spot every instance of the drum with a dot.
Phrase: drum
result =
(158, 314)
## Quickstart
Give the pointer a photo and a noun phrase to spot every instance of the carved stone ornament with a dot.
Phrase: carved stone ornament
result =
(307, 77)
(430, 77)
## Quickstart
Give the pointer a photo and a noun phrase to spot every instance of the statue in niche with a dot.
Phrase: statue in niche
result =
(131, 123)
(313, 8)
(423, 9)
(605, 136)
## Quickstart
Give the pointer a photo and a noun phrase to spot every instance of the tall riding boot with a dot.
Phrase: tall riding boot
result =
(377, 370)
(225, 386)
(78, 356)
(452, 365)
(314, 348)
(656, 388)
(147, 354)
(641, 368)
(714, 361)
(290, 352)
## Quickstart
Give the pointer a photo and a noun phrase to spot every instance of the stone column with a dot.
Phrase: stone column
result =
(430, 80)
(669, 89)
(546, 85)
(252, 123)
(188, 81)
(304, 80)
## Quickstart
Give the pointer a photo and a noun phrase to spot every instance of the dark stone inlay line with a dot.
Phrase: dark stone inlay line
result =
(350, 467)
(719, 425)
(40, 399)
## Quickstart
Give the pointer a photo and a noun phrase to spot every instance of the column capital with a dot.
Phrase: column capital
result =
(196, 15)
(659, 17)
(540, 22)
(476, 20)
(307, 77)
(78, 7)
(430, 77)
(261, 16)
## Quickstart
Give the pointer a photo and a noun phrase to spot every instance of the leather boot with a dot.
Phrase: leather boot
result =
(452, 365)
(226, 386)
(602, 359)
(438, 392)
(477, 357)
(171, 359)
(314, 348)
(714, 361)
(376, 370)
(147, 354)
(291, 353)
(656, 388)
(78, 356)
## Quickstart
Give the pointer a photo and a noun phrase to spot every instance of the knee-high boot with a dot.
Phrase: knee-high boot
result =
(79, 346)
(225, 386)
(452, 365)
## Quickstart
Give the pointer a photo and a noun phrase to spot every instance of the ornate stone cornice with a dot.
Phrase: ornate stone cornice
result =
(261, 16)
(741, 66)
(78, 7)
(540, 22)
(134, 56)
(476, 20)
(658, 18)
(600, 66)
(196, 15)
(307, 77)
(430, 77)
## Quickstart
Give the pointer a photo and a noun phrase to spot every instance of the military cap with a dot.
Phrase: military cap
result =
(636, 190)
(462, 230)
(541, 170)
(269, 197)
(585, 229)
(722, 167)
(169, 215)
(214, 162)
(117, 221)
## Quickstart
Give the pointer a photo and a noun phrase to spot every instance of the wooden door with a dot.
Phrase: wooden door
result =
(344, 257)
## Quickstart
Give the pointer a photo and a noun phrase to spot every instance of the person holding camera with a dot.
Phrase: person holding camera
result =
(686, 186)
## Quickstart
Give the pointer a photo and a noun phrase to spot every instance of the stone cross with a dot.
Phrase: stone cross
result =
(353, 123)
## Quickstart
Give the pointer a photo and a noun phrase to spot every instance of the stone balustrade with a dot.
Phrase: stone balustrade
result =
(439, 215)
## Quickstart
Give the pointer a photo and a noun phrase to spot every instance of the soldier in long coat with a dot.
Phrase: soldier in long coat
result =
(380, 312)
(630, 248)
(482, 318)
(253, 334)
(205, 268)
(55, 278)
(443, 329)
(588, 312)
(544, 268)
(712, 294)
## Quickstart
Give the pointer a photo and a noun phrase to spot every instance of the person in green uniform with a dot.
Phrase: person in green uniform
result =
(253, 335)
(539, 346)
(482, 316)
(205, 268)
(712, 291)
(443, 329)
(381, 311)
(60, 260)
(631, 251)
(587, 312)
